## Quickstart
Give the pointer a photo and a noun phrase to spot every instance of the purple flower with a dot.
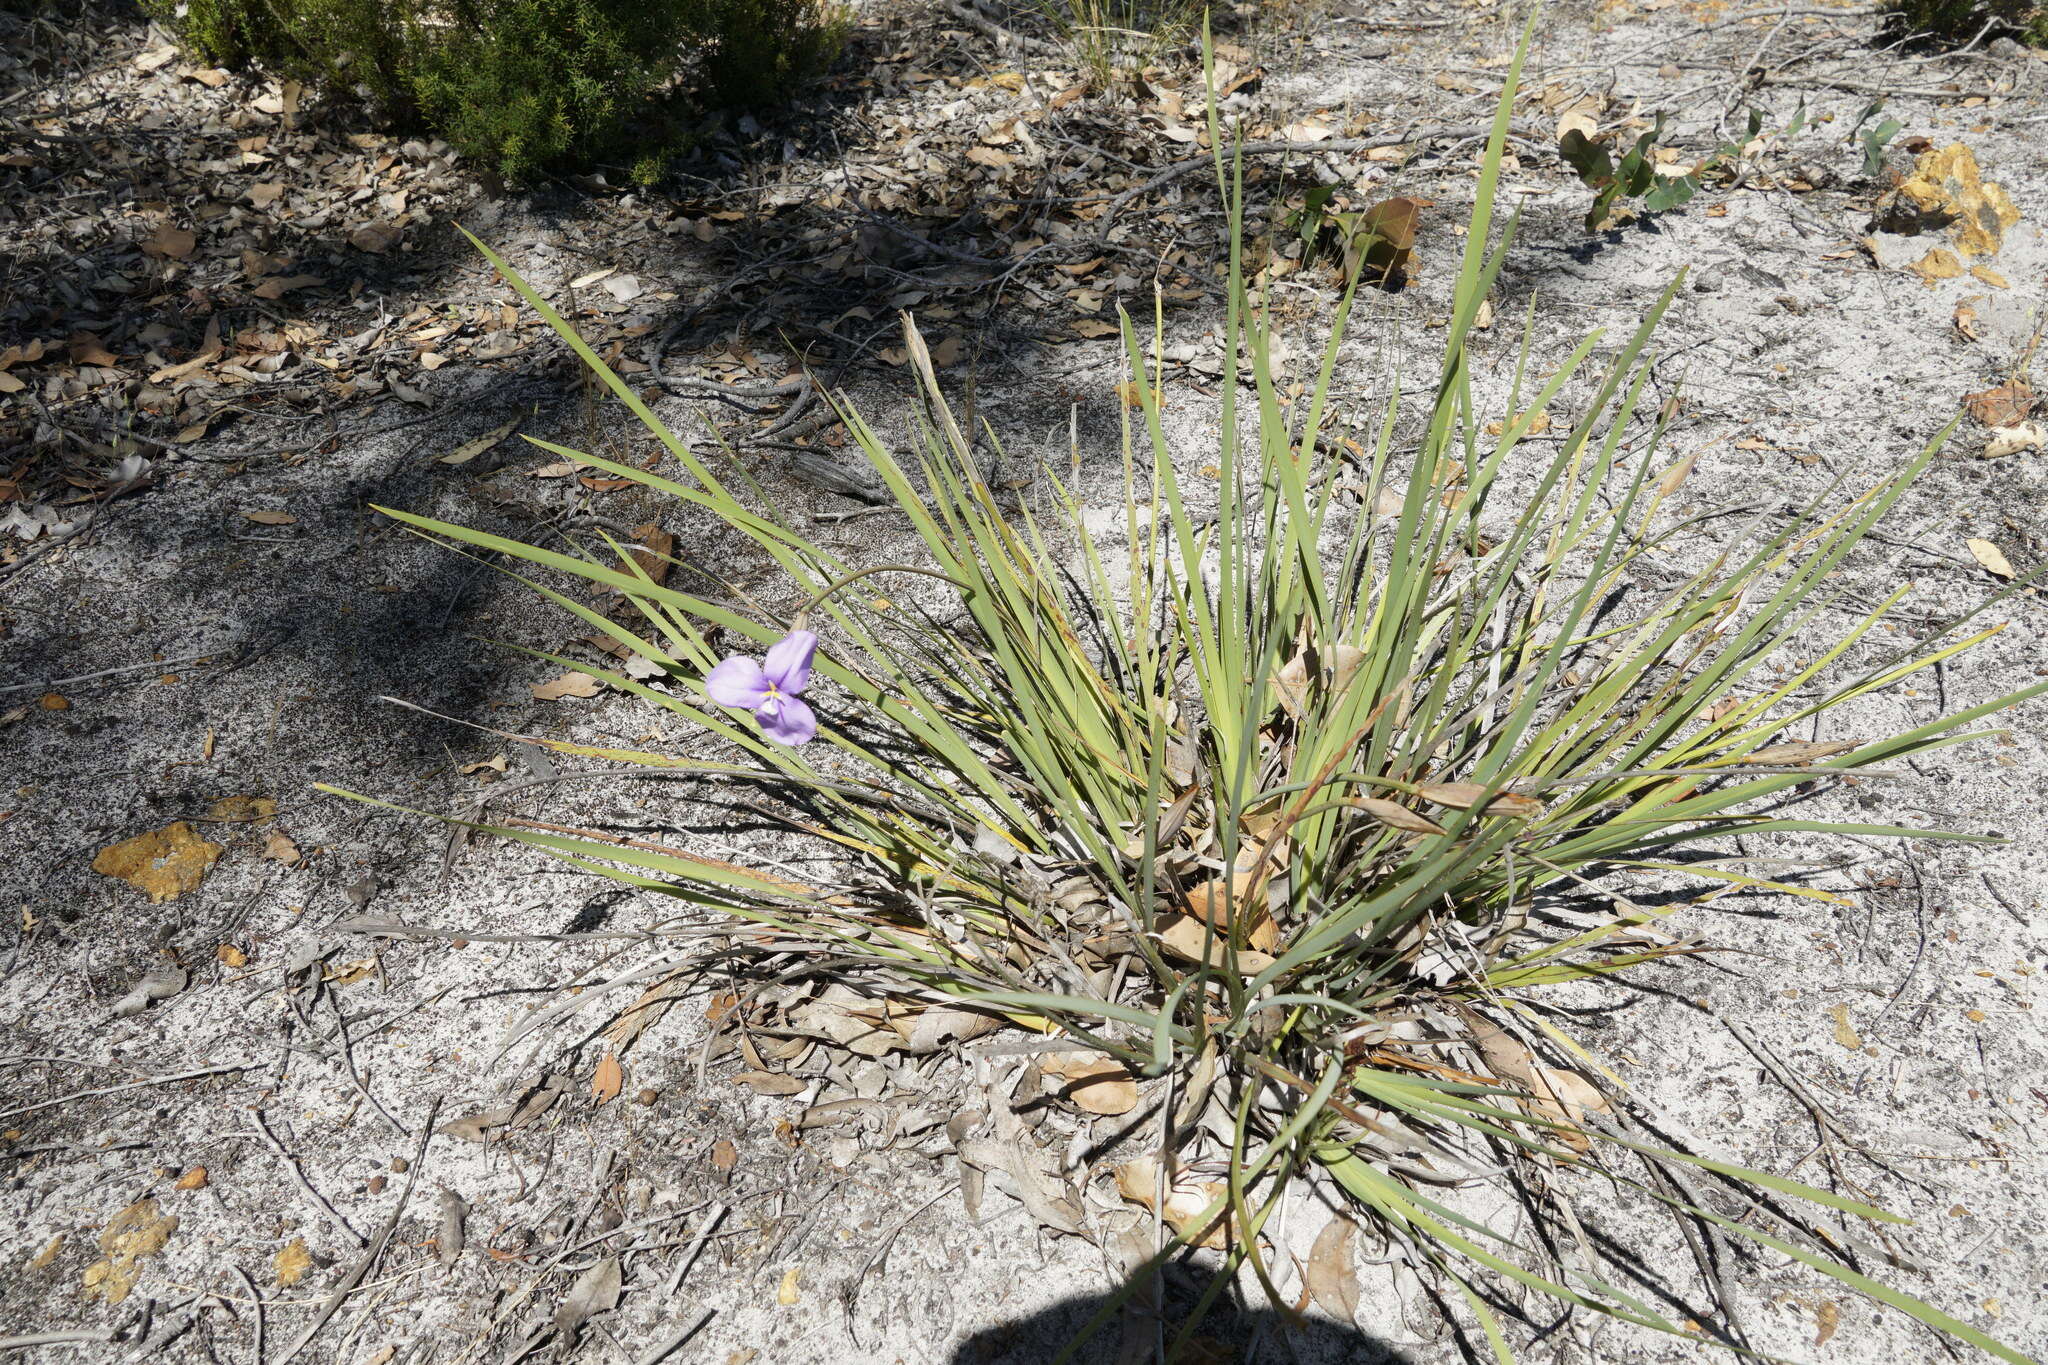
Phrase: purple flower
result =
(770, 692)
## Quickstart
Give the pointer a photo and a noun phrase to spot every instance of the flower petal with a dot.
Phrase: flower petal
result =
(787, 720)
(789, 661)
(738, 681)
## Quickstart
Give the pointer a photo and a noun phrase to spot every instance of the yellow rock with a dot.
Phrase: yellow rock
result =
(1938, 264)
(1946, 190)
(132, 1235)
(163, 864)
(292, 1262)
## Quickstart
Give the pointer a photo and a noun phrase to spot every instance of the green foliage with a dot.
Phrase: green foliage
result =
(520, 85)
(1285, 770)
(1633, 176)
(753, 51)
(1874, 139)
(1963, 20)
(1113, 37)
(1635, 173)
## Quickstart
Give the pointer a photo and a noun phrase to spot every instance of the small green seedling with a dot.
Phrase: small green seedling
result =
(1634, 176)
(1874, 141)
(1637, 174)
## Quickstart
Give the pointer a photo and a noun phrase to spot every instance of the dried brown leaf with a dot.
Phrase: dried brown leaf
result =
(570, 684)
(1094, 1083)
(608, 1079)
(1466, 795)
(1991, 557)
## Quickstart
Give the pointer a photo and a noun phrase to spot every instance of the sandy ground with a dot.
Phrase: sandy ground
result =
(303, 1065)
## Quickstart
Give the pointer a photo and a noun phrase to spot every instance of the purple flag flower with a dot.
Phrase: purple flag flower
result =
(770, 691)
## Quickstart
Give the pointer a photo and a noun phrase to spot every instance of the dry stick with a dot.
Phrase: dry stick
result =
(349, 1065)
(354, 1278)
(704, 1230)
(22, 1343)
(132, 1085)
(305, 1186)
(1271, 148)
(1831, 1129)
(256, 1299)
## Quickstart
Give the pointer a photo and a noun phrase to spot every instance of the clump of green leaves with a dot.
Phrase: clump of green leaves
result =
(1647, 171)
(1635, 174)
(1875, 138)
(1956, 21)
(522, 85)
(1255, 800)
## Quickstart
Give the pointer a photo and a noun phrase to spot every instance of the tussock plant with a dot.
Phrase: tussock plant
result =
(1111, 38)
(1252, 803)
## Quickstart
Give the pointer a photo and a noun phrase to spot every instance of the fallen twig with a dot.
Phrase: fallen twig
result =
(312, 1195)
(1191, 164)
(22, 1343)
(131, 1085)
(369, 1258)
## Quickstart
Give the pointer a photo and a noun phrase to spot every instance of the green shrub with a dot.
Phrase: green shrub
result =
(518, 85)
(1962, 20)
